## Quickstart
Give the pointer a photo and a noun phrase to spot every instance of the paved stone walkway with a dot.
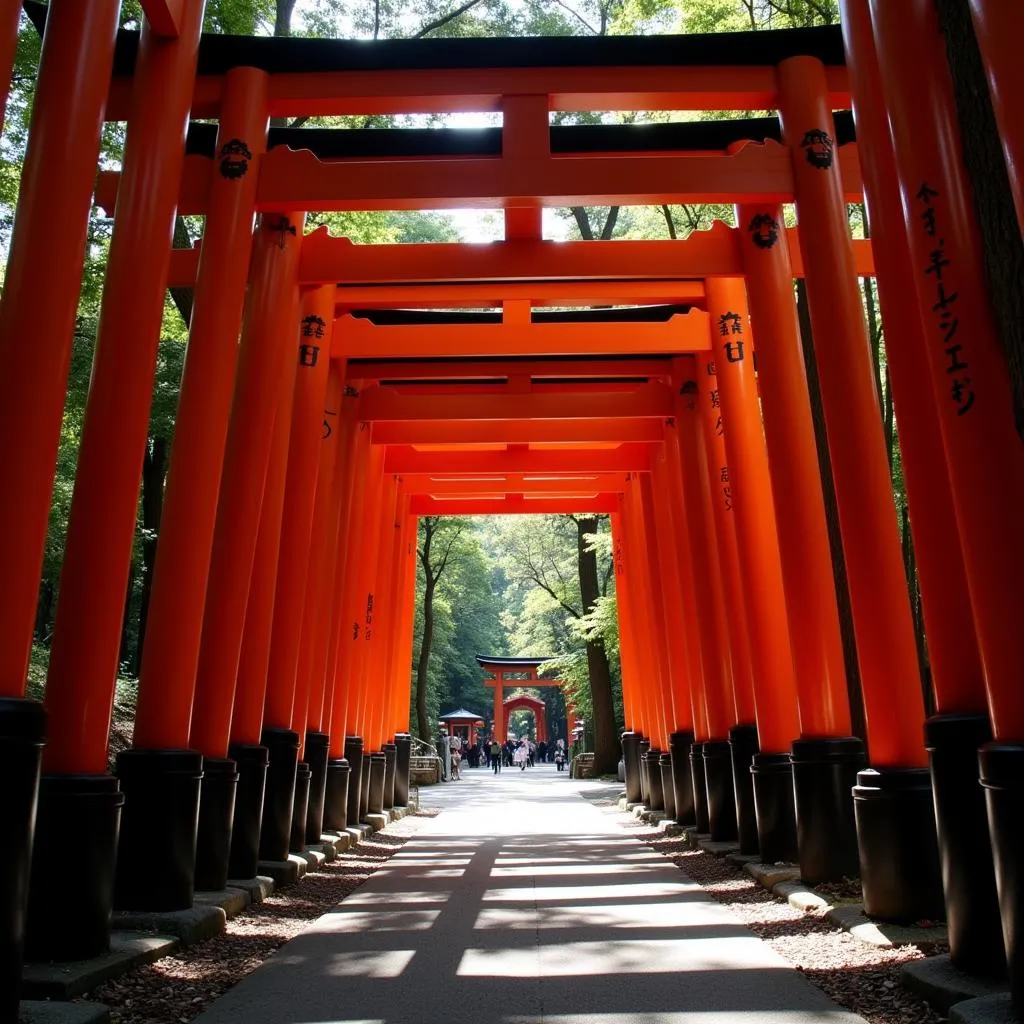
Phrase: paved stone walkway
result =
(524, 903)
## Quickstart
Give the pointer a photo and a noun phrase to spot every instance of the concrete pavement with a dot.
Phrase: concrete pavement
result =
(523, 903)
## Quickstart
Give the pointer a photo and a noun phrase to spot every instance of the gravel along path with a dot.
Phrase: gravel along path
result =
(858, 976)
(179, 987)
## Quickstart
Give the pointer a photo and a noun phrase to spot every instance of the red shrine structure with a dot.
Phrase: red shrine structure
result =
(334, 392)
(501, 673)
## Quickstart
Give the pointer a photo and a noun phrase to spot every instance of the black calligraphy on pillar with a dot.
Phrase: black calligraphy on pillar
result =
(734, 351)
(350, 392)
(328, 429)
(719, 428)
(727, 497)
(313, 326)
(716, 401)
(710, 369)
(234, 159)
(819, 147)
(723, 474)
(355, 630)
(282, 227)
(730, 323)
(309, 355)
(944, 323)
(689, 393)
(764, 230)
(368, 632)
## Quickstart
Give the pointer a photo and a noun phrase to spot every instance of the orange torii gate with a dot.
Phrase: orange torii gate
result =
(367, 390)
(500, 672)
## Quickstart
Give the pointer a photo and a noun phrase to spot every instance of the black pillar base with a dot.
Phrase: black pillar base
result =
(743, 746)
(965, 852)
(403, 743)
(390, 766)
(700, 788)
(279, 795)
(316, 757)
(668, 793)
(336, 796)
(656, 797)
(378, 768)
(300, 808)
(354, 756)
(772, 777)
(824, 774)
(645, 782)
(899, 854)
(1002, 775)
(69, 912)
(682, 779)
(22, 735)
(631, 761)
(721, 792)
(364, 794)
(156, 850)
(251, 761)
(217, 793)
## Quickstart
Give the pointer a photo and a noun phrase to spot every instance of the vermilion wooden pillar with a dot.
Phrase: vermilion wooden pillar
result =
(727, 759)
(627, 583)
(972, 391)
(288, 694)
(827, 841)
(679, 633)
(717, 481)
(84, 656)
(999, 27)
(629, 658)
(10, 15)
(48, 243)
(45, 260)
(316, 633)
(754, 520)
(361, 697)
(961, 724)
(403, 661)
(893, 801)
(343, 724)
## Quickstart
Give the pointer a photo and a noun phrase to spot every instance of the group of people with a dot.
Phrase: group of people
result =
(522, 753)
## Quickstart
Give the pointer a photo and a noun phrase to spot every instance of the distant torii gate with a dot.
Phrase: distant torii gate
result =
(525, 671)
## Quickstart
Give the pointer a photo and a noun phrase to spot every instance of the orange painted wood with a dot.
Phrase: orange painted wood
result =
(264, 356)
(164, 16)
(953, 656)
(551, 431)
(983, 449)
(799, 508)
(513, 505)
(177, 601)
(538, 270)
(407, 461)
(446, 91)
(886, 646)
(101, 529)
(287, 693)
(47, 250)
(773, 687)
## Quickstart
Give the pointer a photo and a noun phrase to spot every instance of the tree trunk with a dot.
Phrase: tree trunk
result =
(832, 519)
(44, 611)
(124, 654)
(154, 469)
(426, 641)
(606, 742)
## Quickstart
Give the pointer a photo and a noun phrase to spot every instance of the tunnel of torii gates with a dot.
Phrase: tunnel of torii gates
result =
(367, 390)
(500, 672)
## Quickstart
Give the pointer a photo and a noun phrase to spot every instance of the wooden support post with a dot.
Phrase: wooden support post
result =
(171, 653)
(969, 378)
(48, 245)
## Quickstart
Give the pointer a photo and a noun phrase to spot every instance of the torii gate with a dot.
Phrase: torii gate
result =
(281, 616)
(500, 672)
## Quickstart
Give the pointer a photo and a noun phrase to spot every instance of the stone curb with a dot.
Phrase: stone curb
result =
(231, 900)
(258, 888)
(191, 926)
(989, 1010)
(31, 1012)
(71, 979)
(941, 985)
